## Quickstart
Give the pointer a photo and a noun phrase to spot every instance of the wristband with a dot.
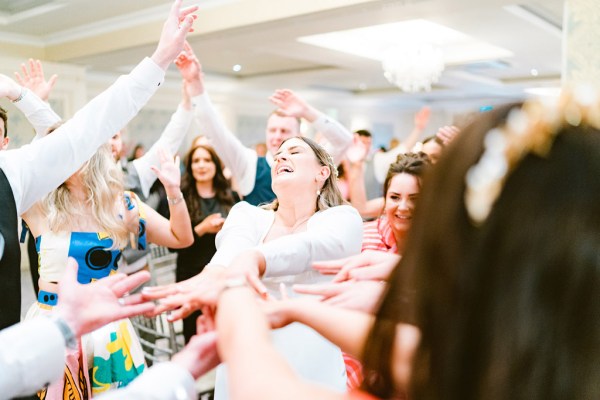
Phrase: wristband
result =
(175, 200)
(68, 335)
(21, 95)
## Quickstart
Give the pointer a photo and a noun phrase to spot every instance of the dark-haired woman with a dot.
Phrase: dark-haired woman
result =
(209, 198)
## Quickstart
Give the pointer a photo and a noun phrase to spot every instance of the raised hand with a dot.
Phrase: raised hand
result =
(169, 173)
(446, 134)
(34, 79)
(422, 118)
(88, 307)
(358, 151)
(361, 296)
(175, 29)
(191, 70)
(291, 105)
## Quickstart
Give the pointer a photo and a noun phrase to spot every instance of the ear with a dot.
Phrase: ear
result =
(322, 175)
(4, 143)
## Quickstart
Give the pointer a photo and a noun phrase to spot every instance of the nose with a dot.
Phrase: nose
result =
(280, 157)
(403, 204)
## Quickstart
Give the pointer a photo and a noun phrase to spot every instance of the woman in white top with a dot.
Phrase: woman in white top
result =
(277, 243)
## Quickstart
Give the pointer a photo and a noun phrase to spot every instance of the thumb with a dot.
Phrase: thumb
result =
(70, 274)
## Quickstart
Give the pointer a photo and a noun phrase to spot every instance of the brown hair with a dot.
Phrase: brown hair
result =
(4, 118)
(508, 309)
(221, 185)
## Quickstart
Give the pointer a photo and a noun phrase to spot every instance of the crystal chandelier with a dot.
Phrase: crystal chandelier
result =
(413, 66)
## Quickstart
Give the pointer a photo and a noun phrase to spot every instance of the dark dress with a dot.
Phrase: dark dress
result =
(191, 260)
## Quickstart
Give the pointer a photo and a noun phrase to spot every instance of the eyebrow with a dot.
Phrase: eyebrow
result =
(290, 149)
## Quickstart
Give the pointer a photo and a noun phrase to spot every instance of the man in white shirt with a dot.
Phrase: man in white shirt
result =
(28, 173)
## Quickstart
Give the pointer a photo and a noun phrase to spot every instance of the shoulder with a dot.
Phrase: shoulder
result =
(247, 210)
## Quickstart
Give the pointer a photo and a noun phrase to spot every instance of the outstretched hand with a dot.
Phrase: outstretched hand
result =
(169, 173)
(353, 267)
(88, 307)
(422, 118)
(360, 296)
(175, 29)
(34, 79)
(358, 151)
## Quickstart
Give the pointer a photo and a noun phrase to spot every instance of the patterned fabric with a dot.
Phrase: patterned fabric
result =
(110, 357)
(377, 235)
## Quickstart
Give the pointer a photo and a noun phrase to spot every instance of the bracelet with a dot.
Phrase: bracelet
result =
(174, 200)
(21, 95)
(68, 335)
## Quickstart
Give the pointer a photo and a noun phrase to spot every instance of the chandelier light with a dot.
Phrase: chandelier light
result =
(413, 66)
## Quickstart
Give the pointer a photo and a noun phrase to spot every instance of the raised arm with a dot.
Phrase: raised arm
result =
(170, 140)
(382, 161)
(38, 112)
(36, 169)
(338, 137)
(237, 157)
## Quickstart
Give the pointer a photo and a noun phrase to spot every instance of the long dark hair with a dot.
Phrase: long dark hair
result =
(508, 309)
(407, 163)
(221, 185)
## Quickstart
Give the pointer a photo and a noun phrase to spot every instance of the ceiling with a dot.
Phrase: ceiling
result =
(110, 37)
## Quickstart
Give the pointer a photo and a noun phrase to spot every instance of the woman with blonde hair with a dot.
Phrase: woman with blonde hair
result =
(90, 218)
(276, 244)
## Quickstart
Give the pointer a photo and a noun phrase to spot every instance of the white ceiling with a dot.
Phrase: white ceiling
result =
(261, 35)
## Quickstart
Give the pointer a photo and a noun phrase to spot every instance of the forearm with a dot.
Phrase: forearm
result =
(179, 221)
(338, 137)
(170, 140)
(346, 329)
(244, 344)
(237, 157)
(356, 184)
(51, 160)
(38, 112)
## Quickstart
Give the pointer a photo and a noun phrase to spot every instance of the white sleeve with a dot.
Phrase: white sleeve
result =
(38, 113)
(170, 139)
(331, 234)
(338, 137)
(240, 232)
(382, 162)
(237, 157)
(163, 381)
(32, 355)
(35, 169)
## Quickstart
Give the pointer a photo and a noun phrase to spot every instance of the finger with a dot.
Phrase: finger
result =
(19, 79)
(177, 161)
(341, 276)
(111, 280)
(155, 170)
(159, 292)
(37, 68)
(131, 282)
(283, 291)
(319, 290)
(136, 309)
(257, 285)
(180, 313)
(71, 271)
(52, 81)
(24, 72)
(375, 273)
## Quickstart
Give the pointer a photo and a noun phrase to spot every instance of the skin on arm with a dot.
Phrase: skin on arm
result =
(175, 232)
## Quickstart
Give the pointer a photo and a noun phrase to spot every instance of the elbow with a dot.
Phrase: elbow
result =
(181, 242)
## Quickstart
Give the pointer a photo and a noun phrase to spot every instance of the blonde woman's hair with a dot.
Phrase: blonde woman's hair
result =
(330, 195)
(103, 180)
